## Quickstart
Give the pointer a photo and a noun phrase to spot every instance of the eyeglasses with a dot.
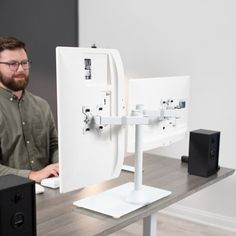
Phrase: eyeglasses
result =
(14, 65)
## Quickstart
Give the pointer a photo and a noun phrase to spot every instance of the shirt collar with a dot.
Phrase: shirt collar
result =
(9, 95)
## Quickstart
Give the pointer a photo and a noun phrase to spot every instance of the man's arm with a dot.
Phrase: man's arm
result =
(37, 176)
(5, 170)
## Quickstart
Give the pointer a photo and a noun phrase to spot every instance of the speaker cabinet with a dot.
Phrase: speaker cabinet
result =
(17, 206)
(203, 152)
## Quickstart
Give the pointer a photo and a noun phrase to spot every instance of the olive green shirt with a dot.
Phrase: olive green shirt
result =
(28, 136)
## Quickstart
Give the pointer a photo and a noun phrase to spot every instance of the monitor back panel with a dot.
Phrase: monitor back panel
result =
(88, 79)
(151, 92)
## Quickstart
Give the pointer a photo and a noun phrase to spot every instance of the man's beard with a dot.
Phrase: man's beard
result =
(15, 84)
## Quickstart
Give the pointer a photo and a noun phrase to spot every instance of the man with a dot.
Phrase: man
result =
(28, 136)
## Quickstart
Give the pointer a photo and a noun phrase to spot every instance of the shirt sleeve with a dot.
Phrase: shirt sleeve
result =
(5, 170)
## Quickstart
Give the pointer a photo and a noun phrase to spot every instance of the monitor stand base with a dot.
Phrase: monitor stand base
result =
(115, 202)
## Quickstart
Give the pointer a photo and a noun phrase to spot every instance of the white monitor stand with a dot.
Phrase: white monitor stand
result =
(161, 121)
(128, 197)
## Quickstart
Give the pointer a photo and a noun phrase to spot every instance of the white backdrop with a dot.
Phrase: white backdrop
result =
(179, 37)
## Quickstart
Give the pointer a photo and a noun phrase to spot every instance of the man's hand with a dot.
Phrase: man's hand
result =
(50, 170)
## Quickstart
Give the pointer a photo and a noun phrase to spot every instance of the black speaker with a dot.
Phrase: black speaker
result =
(203, 152)
(17, 206)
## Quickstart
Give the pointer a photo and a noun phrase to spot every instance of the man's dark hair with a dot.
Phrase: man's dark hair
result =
(11, 43)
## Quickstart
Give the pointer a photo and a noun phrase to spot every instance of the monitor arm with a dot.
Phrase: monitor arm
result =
(139, 117)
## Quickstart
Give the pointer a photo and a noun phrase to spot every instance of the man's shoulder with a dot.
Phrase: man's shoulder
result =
(36, 99)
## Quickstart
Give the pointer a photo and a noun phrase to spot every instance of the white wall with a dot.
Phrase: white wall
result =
(179, 37)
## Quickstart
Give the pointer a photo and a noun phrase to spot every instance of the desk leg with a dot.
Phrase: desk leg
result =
(150, 225)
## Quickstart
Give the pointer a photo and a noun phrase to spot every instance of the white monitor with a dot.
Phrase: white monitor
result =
(166, 94)
(88, 81)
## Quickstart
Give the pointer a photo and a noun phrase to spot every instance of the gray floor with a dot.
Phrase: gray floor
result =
(172, 226)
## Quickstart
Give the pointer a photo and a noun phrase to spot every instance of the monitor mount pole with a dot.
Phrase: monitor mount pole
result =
(137, 195)
(138, 119)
